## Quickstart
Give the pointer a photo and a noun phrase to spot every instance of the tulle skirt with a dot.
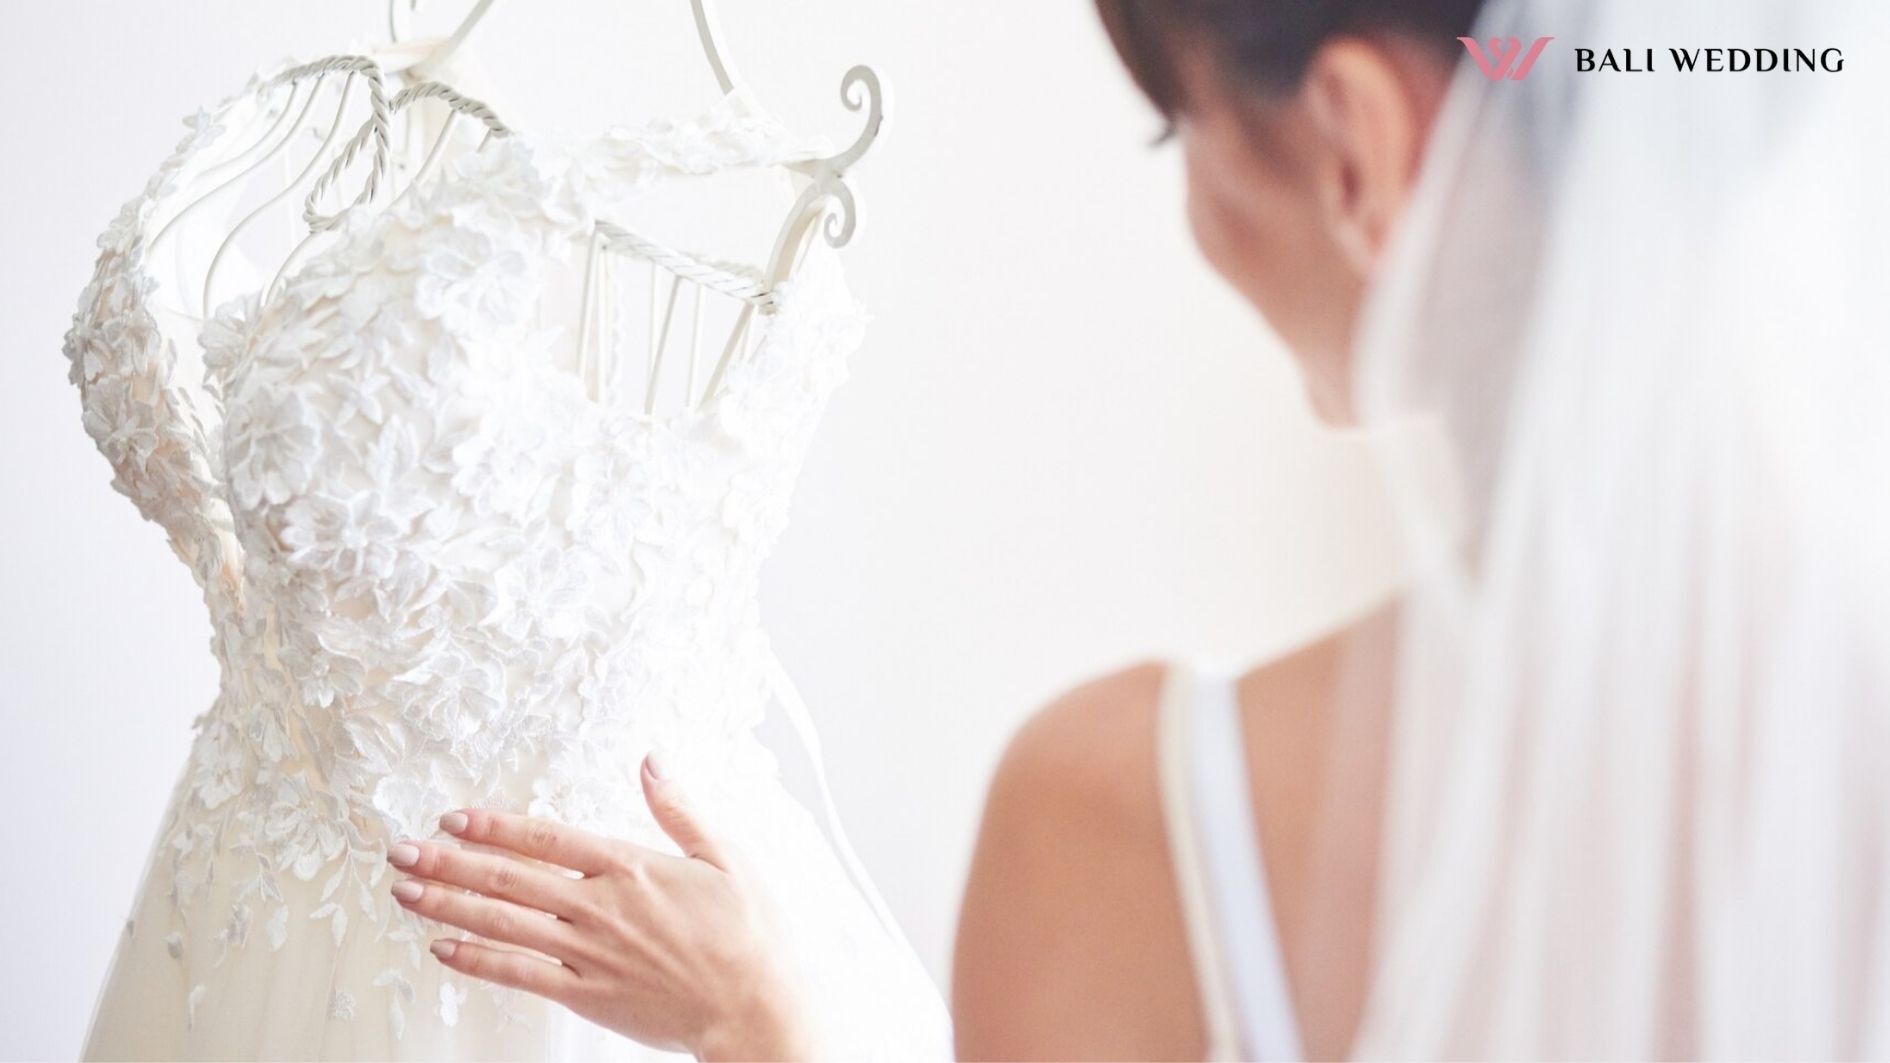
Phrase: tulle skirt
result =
(203, 988)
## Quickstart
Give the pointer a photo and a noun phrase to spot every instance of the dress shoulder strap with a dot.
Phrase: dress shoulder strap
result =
(1184, 842)
(1215, 845)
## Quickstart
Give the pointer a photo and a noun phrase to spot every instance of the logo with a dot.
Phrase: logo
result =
(1497, 63)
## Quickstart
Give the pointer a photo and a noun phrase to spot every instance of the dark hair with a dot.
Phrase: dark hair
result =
(1263, 45)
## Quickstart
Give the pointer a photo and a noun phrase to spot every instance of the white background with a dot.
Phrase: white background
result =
(1065, 445)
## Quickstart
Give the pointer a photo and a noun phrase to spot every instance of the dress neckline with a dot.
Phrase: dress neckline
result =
(733, 132)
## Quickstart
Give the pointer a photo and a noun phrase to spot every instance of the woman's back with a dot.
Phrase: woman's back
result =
(1074, 942)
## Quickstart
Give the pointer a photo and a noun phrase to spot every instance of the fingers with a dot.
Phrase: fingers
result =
(492, 874)
(677, 819)
(501, 921)
(513, 969)
(554, 843)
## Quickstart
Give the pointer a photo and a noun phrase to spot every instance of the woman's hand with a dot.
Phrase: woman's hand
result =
(675, 951)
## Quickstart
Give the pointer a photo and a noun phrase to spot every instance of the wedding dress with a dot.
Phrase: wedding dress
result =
(440, 573)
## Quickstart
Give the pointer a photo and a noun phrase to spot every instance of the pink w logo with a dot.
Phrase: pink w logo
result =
(1503, 54)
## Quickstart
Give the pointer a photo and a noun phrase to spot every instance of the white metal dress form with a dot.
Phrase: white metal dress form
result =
(824, 194)
(824, 206)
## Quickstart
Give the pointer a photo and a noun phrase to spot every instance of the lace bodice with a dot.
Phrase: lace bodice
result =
(440, 573)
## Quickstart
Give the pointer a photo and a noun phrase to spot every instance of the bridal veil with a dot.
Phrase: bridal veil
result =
(1638, 796)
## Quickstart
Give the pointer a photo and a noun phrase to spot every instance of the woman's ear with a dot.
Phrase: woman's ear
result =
(1371, 124)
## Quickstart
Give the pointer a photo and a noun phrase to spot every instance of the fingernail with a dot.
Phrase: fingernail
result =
(403, 855)
(408, 890)
(444, 949)
(453, 822)
(659, 769)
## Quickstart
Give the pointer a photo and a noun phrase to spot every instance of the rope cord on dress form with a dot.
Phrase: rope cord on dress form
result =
(749, 288)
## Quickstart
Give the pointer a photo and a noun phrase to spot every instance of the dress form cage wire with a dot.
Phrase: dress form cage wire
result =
(701, 313)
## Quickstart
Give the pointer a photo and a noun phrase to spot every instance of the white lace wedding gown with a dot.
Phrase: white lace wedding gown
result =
(440, 574)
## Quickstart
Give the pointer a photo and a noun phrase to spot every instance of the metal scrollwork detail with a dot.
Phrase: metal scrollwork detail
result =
(828, 198)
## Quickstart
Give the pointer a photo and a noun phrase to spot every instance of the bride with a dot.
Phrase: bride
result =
(1608, 777)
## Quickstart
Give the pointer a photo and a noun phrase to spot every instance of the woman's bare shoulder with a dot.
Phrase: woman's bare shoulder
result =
(1089, 757)
(1089, 754)
(1070, 943)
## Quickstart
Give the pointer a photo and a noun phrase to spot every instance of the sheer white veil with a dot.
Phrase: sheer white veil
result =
(1638, 796)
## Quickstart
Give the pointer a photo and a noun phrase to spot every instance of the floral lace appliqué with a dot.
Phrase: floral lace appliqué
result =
(438, 576)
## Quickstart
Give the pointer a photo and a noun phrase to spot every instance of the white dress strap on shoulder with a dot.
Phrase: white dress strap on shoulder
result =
(1241, 975)
(1176, 751)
